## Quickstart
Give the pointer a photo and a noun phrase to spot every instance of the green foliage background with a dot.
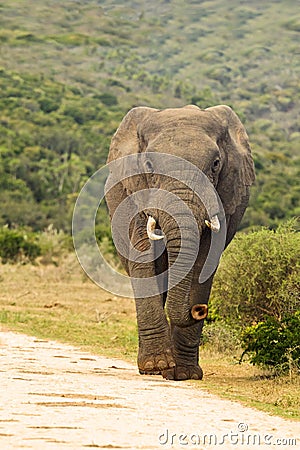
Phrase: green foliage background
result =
(70, 71)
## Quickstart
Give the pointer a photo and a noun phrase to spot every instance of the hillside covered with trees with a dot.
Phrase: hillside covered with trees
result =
(70, 70)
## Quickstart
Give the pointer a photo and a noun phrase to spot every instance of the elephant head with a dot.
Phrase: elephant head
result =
(213, 140)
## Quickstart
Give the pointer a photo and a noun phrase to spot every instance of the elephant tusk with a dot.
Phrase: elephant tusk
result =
(150, 230)
(213, 224)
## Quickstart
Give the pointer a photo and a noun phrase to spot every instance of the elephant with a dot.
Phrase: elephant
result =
(214, 142)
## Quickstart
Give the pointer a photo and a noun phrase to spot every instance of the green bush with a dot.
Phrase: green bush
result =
(259, 276)
(105, 242)
(274, 343)
(257, 294)
(54, 244)
(17, 245)
(108, 99)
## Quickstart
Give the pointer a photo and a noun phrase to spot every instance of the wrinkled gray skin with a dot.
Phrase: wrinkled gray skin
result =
(215, 141)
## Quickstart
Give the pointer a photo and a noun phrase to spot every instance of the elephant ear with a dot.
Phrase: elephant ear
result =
(237, 172)
(126, 141)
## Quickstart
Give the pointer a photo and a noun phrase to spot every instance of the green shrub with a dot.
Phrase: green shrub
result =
(105, 242)
(259, 276)
(293, 24)
(17, 245)
(54, 244)
(108, 99)
(257, 294)
(102, 231)
(274, 343)
(49, 104)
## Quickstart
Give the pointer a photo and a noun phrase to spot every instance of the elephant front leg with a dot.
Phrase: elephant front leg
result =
(186, 352)
(155, 348)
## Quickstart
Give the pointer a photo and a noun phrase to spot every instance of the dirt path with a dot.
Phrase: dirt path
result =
(55, 396)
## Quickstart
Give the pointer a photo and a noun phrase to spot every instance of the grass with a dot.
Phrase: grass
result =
(61, 303)
(253, 387)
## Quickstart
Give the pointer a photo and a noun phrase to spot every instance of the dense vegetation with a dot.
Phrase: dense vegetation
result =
(256, 296)
(72, 69)
(275, 343)
(259, 276)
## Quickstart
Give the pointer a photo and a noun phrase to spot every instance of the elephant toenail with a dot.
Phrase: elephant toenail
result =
(169, 374)
(182, 376)
(195, 376)
(162, 364)
(149, 365)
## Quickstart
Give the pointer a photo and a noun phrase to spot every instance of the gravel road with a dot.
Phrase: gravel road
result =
(55, 396)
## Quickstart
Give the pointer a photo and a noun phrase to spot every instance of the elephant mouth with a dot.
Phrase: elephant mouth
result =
(154, 235)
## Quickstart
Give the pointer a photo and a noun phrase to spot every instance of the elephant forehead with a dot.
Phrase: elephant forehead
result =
(181, 132)
(186, 143)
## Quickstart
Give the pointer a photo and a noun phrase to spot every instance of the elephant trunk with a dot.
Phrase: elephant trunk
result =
(182, 247)
(199, 311)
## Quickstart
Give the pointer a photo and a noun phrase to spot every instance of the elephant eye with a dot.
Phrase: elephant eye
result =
(148, 166)
(215, 165)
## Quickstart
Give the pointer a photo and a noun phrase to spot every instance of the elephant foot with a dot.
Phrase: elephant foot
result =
(180, 373)
(155, 364)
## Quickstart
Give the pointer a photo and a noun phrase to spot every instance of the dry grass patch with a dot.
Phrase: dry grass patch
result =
(61, 303)
(223, 375)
